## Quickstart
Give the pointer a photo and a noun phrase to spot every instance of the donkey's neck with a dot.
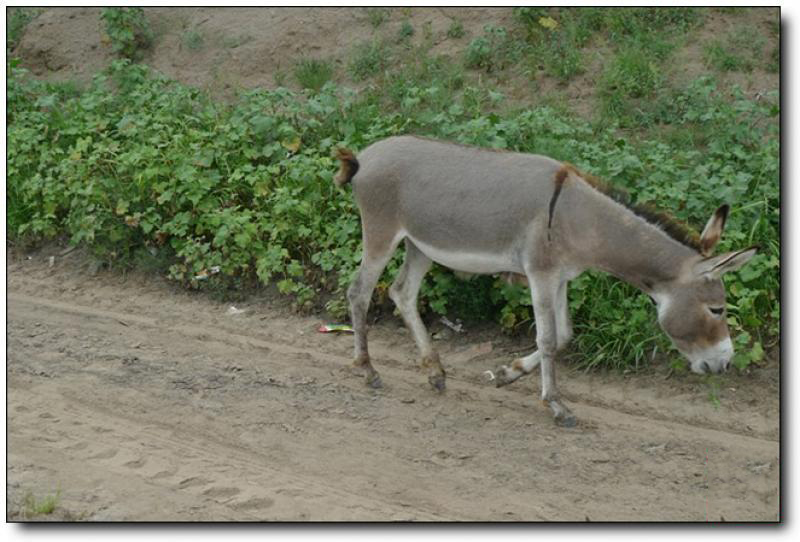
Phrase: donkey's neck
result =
(604, 234)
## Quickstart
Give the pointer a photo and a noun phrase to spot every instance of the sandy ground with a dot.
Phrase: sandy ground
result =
(136, 401)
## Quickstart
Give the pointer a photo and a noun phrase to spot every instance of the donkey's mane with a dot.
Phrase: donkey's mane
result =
(676, 229)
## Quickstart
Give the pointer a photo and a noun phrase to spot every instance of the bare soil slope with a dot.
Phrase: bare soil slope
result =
(135, 401)
(223, 50)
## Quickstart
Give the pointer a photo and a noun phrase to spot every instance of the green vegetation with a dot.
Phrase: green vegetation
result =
(495, 50)
(405, 32)
(152, 174)
(312, 73)
(557, 37)
(369, 58)
(455, 30)
(377, 16)
(33, 507)
(741, 50)
(631, 75)
(193, 40)
(128, 31)
(147, 172)
(16, 22)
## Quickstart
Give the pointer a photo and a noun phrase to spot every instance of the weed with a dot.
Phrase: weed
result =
(630, 77)
(405, 32)
(455, 30)
(562, 58)
(128, 31)
(34, 507)
(18, 20)
(635, 24)
(279, 77)
(479, 54)
(774, 64)
(713, 390)
(555, 42)
(369, 58)
(312, 73)
(427, 33)
(193, 40)
(529, 17)
(493, 51)
(377, 16)
(740, 51)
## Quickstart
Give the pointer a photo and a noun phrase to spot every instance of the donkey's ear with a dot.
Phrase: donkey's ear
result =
(713, 230)
(724, 263)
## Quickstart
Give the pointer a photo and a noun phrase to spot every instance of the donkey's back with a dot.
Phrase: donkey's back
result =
(452, 197)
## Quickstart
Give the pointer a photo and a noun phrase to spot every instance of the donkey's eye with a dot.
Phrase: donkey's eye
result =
(717, 311)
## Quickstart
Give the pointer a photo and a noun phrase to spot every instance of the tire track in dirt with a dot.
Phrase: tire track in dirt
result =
(160, 401)
(467, 388)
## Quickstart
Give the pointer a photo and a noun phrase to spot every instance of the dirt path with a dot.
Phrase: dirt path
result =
(139, 402)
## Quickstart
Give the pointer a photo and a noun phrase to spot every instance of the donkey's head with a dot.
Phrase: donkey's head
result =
(691, 308)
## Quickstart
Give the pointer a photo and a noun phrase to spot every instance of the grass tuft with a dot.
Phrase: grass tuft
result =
(312, 73)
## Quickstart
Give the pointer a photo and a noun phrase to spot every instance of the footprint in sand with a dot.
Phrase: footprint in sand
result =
(221, 492)
(255, 503)
(194, 481)
(136, 464)
(108, 454)
(163, 474)
(78, 446)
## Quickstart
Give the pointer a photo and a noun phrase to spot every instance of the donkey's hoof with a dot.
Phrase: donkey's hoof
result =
(373, 380)
(502, 377)
(437, 382)
(566, 420)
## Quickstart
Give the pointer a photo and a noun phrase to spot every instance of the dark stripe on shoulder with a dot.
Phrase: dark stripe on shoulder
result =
(561, 176)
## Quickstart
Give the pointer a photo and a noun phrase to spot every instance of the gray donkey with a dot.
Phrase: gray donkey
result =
(485, 211)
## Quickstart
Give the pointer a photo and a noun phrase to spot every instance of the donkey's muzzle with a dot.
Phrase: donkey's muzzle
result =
(715, 359)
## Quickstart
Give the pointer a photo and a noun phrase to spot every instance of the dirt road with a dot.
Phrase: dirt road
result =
(136, 401)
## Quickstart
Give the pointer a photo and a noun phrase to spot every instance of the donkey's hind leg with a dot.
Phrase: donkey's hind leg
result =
(506, 374)
(404, 292)
(377, 252)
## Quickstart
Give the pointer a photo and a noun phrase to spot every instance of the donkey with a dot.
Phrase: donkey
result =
(485, 211)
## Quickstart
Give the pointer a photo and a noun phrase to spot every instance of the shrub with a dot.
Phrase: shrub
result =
(455, 30)
(493, 51)
(128, 31)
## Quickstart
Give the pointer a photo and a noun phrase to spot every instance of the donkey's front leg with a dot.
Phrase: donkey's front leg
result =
(506, 374)
(544, 292)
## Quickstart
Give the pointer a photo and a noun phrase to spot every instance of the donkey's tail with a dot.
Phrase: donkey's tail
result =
(347, 168)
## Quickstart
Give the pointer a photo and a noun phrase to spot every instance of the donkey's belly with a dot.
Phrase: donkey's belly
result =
(462, 259)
